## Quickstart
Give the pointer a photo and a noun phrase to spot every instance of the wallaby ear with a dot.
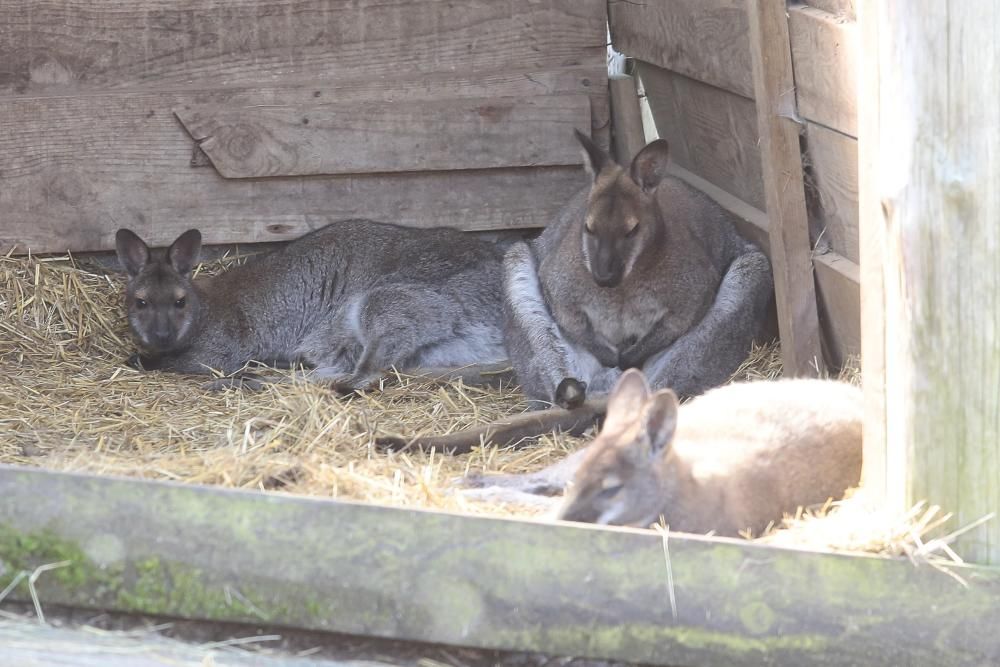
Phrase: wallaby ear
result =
(183, 253)
(660, 420)
(649, 166)
(626, 400)
(133, 253)
(594, 158)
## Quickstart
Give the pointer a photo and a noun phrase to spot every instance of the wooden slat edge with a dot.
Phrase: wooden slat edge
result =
(196, 552)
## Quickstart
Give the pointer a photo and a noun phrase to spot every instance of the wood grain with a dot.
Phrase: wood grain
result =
(936, 174)
(628, 136)
(838, 295)
(833, 175)
(563, 589)
(826, 54)
(420, 135)
(788, 222)
(67, 46)
(874, 470)
(842, 9)
(706, 40)
(121, 159)
(712, 133)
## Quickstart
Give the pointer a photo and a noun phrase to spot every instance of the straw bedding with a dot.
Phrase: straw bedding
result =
(68, 402)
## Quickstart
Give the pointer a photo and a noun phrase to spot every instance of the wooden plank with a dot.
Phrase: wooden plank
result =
(707, 40)
(421, 135)
(791, 262)
(712, 133)
(71, 180)
(838, 295)
(826, 54)
(832, 160)
(563, 589)
(874, 469)
(843, 9)
(627, 131)
(67, 46)
(936, 175)
(752, 222)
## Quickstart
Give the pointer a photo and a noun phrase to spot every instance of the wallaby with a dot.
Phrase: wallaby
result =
(733, 459)
(639, 270)
(350, 300)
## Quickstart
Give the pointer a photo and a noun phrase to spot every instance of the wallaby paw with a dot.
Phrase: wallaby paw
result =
(391, 443)
(570, 393)
(140, 362)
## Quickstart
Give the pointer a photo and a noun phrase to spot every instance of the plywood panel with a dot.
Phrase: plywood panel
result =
(833, 168)
(706, 40)
(712, 132)
(71, 45)
(826, 55)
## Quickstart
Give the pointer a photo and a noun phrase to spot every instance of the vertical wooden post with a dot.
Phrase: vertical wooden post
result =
(932, 215)
(627, 136)
(788, 224)
(870, 232)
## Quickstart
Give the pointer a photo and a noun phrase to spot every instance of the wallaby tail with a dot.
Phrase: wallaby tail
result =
(473, 375)
(507, 432)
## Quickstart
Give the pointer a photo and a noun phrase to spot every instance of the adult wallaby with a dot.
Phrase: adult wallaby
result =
(350, 300)
(734, 459)
(639, 270)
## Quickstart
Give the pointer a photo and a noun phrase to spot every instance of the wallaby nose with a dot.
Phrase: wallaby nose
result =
(606, 278)
(580, 513)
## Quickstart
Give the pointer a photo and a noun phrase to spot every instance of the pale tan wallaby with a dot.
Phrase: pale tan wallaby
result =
(732, 460)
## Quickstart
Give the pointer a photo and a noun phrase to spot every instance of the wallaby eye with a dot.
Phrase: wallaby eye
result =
(180, 303)
(588, 231)
(630, 233)
(610, 491)
(140, 303)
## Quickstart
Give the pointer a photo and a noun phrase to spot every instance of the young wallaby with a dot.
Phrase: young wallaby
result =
(639, 270)
(734, 459)
(349, 300)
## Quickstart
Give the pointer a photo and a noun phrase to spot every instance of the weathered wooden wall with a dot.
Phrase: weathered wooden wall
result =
(694, 62)
(404, 111)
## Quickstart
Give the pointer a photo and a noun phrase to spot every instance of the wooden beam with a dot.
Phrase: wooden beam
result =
(627, 133)
(419, 135)
(706, 40)
(781, 158)
(937, 174)
(871, 233)
(564, 589)
(826, 55)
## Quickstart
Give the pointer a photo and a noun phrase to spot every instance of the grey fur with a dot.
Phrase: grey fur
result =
(686, 293)
(349, 300)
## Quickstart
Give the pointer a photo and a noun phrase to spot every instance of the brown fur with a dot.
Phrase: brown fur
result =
(734, 459)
